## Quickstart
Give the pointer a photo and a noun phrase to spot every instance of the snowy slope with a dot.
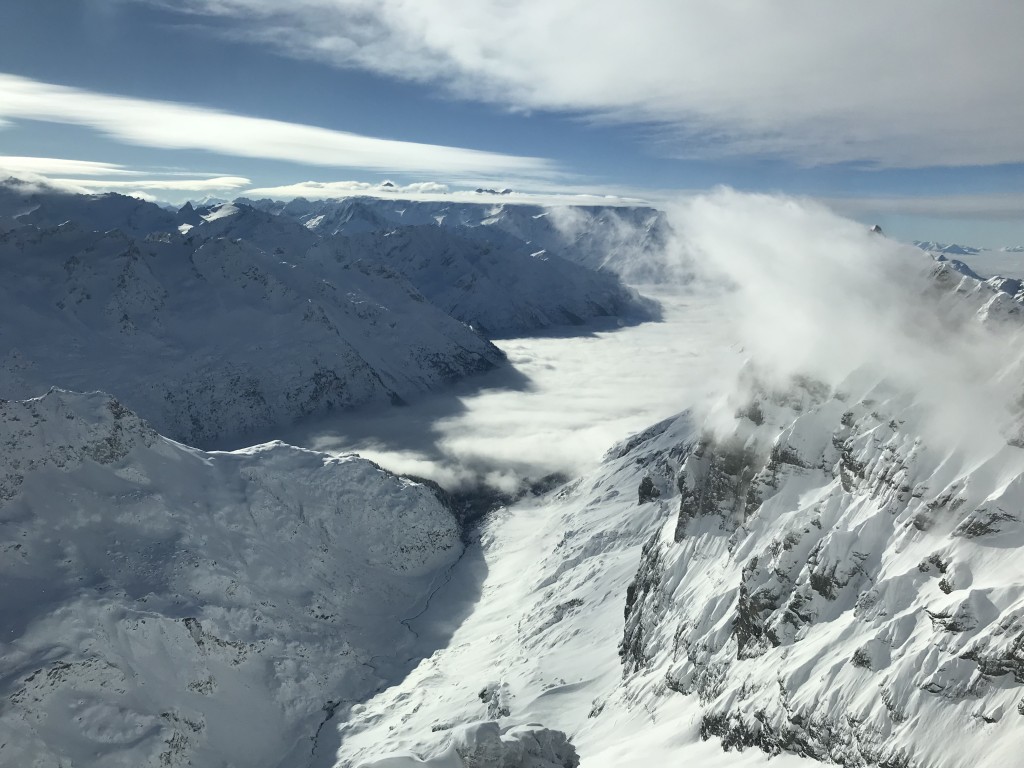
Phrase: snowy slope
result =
(213, 337)
(988, 264)
(542, 645)
(815, 570)
(848, 594)
(498, 285)
(168, 607)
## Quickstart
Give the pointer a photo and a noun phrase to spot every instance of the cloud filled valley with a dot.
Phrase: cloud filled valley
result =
(753, 477)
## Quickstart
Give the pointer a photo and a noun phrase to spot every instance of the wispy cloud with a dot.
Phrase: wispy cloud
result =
(974, 206)
(216, 184)
(170, 125)
(908, 84)
(14, 166)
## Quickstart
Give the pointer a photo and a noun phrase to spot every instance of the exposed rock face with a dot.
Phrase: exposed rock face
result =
(166, 606)
(853, 582)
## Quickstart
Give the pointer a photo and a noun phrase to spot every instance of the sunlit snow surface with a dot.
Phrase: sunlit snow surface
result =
(541, 642)
(548, 653)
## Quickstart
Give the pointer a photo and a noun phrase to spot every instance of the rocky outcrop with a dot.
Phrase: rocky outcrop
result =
(820, 590)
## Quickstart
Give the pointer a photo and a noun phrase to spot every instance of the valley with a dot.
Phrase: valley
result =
(741, 518)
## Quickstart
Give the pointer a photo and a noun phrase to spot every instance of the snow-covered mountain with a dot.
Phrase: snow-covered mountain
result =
(619, 239)
(213, 337)
(166, 606)
(822, 571)
(950, 248)
(815, 569)
(22, 204)
(981, 263)
(495, 284)
(477, 269)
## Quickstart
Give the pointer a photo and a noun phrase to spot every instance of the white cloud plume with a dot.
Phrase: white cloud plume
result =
(169, 125)
(818, 295)
(914, 83)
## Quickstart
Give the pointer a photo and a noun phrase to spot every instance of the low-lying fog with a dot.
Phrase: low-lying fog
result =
(567, 401)
(781, 282)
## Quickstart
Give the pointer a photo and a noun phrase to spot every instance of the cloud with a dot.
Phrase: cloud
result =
(169, 125)
(914, 83)
(816, 294)
(49, 173)
(784, 286)
(322, 190)
(583, 394)
(983, 206)
(61, 166)
(216, 184)
(431, 190)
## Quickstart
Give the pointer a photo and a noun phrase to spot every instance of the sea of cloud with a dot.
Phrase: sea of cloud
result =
(780, 284)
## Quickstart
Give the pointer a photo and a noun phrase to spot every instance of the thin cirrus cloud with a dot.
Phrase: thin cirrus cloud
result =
(215, 184)
(170, 125)
(910, 84)
(974, 206)
(46, 166)
(85, 176)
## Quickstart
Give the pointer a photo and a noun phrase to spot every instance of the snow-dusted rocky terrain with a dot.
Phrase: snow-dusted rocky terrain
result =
(984, 262)
(625, 240)
(812, 570)
(212, 339)
(819, 566)
(180, 313)
(498, 284)
(166, 606)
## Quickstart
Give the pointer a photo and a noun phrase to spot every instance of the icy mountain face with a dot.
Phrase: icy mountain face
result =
(213, 337)
(497, 285)
(627, 241)
(166, 606)
(829, 596)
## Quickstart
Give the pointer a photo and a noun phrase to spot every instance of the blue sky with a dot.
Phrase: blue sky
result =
(908, 116)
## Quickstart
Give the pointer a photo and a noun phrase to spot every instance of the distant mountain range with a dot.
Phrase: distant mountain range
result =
(221, 321)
